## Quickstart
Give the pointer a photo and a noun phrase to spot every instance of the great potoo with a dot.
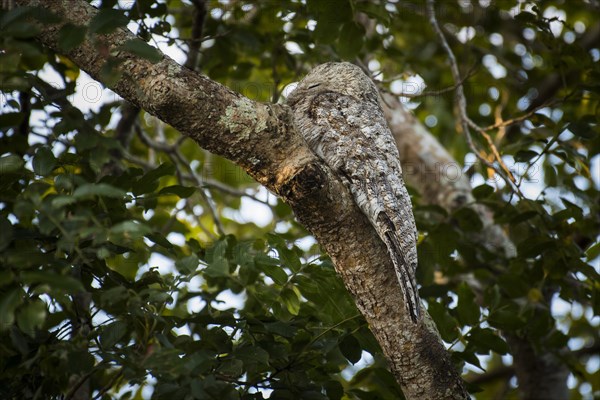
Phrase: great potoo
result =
(336, 109)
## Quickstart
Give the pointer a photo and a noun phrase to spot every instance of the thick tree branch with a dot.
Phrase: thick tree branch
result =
(261, 139)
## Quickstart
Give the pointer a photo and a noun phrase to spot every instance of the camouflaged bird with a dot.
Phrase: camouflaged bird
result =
(337, 110)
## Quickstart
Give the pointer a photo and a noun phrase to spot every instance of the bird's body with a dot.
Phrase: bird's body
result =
(337, 110)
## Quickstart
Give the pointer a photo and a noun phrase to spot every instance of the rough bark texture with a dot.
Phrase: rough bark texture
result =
(260, 138)
(430, 169)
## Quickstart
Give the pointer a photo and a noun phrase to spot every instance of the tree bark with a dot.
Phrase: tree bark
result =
(261, 139)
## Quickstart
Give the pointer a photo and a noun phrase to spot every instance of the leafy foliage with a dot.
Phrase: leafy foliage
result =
(116, 269)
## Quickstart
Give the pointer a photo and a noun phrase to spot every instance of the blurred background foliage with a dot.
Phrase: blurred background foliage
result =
(137, 265)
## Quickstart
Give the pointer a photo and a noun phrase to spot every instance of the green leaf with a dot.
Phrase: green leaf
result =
(10, 118)
(54, 281)
(351, 349)
(374, 10)
(468, 219)
(289, 257)
(271, 268)
(182, 191)
(506, 319)
(107, 20)
(218, 267)
(334, 390)
(89, 190)
(43, 161)
(445, 323)
(32, 317)
(142, 49)
(253, 355)
(8, 303)
(535, 245)
(525, 155)
(524, 216)
(285, 329)
(10, 164)
(582, 129)
(187, 265)
(149, 182)
(6, 233)
(112, 333)
(159, 239)
(486, 339)
(62, 201)
(291, 300)
(350, 40)
(79, 361)
(513, 284)
(71, 36)
(470, 357)
(593, 251)
(231, 368)
(483, 191)
(467, 309)
(130, 229)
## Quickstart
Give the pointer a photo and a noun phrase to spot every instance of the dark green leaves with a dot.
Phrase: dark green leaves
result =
(31, 316)
(181, 191)
(9, 301)
(71, 36)
(107, 20)
(351, 349)
(350, 40)
(142, 49)
(10, 164)
(113, 333)
(89, 190)
(44, 161)
(187, 264)
(467, 309)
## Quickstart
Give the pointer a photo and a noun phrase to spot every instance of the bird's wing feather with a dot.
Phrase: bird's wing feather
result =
(352, 138)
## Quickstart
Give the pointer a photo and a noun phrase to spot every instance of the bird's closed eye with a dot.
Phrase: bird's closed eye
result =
(314, 85)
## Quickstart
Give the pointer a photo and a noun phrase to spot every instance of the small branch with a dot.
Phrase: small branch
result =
(432, 93)
(508, 371)
(123, 131)
(465, 121)
(73, 392)
(175, 155)
(197, 29)
(109, 386)
(521, 118)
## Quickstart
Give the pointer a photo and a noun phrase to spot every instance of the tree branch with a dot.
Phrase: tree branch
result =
(197, 28)
(465, 121)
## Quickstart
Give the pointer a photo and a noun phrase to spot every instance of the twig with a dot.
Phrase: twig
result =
(430, 93)
(172, 151)
(197, 28)
(78, 384)
(508, 371)
(520, 118)
(109, 385)
(465, 121)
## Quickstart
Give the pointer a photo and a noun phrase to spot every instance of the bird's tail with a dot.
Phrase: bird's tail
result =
(404, 271)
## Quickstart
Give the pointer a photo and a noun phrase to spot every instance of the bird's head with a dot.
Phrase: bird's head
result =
(338, 77)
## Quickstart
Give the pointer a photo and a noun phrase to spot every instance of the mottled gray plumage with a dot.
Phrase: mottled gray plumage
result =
(337, 110)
